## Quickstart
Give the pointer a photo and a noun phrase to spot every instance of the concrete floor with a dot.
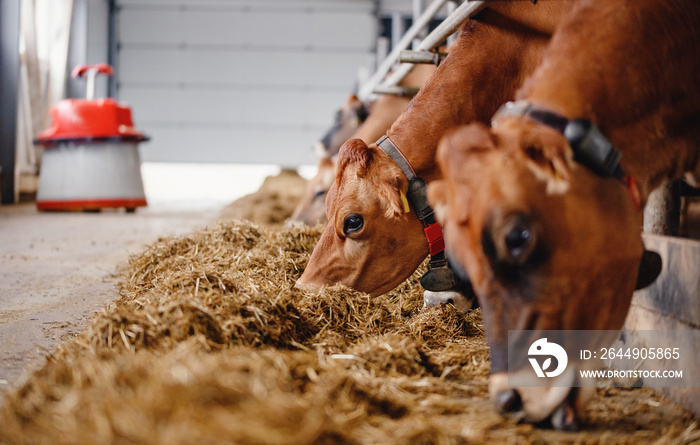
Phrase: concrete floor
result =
(56, 269)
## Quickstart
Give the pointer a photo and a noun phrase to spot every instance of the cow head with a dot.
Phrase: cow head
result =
(346, 121)
(373, 240)
(547, 243)
(311, 210)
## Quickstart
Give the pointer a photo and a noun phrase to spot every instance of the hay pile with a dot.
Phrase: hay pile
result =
(272, 204)
(210, 343)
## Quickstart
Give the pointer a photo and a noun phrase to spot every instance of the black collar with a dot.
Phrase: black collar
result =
(439, 276)
(591, 148)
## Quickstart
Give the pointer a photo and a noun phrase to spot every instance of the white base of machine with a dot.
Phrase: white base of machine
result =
(83, 176)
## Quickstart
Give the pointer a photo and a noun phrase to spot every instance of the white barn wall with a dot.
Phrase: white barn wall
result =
(242, 81)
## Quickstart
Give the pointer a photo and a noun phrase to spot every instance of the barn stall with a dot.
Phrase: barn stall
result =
(206, 339)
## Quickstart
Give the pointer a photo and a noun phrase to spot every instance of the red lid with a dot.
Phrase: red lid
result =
(81, 119)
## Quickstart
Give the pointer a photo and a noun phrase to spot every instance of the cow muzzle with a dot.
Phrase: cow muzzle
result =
(556, 404)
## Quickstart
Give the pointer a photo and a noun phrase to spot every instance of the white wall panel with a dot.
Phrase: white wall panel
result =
(265, 108)
(261, 68)
(231, 144)
(239, 80)
(405, 7)
(276, 5)
(223, 27)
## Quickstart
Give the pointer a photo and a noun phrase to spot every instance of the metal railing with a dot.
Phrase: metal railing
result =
(378, 83)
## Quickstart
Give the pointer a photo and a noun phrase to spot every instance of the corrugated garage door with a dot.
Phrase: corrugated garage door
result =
(244, 81)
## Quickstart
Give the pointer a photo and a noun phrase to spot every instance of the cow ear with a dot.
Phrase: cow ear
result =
(394, 191)
(549, 157)
(325, 162)
(649, 269)
(460, 154)
(356, 153)
(462, 143)
(437, 197)
(352, 100)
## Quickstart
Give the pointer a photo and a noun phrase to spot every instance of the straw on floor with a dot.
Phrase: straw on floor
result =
(210, 342)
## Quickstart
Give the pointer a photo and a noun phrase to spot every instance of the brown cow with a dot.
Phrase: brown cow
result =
(537, 209)
(371, 243)
(347, 120)
(311, 210)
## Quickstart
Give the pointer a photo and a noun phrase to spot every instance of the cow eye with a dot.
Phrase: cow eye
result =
(514, 244)
(353, 224)
(518, 238)
(319, 193)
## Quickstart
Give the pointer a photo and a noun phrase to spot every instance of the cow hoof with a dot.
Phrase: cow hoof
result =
(456, 299)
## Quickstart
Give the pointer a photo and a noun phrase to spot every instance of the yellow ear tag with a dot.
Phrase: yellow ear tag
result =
(557, 173)
(404, 201)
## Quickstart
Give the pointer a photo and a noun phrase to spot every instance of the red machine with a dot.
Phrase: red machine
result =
(91, 160)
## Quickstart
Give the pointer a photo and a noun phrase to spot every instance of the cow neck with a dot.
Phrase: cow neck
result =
(591, 148)
(438, 277)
